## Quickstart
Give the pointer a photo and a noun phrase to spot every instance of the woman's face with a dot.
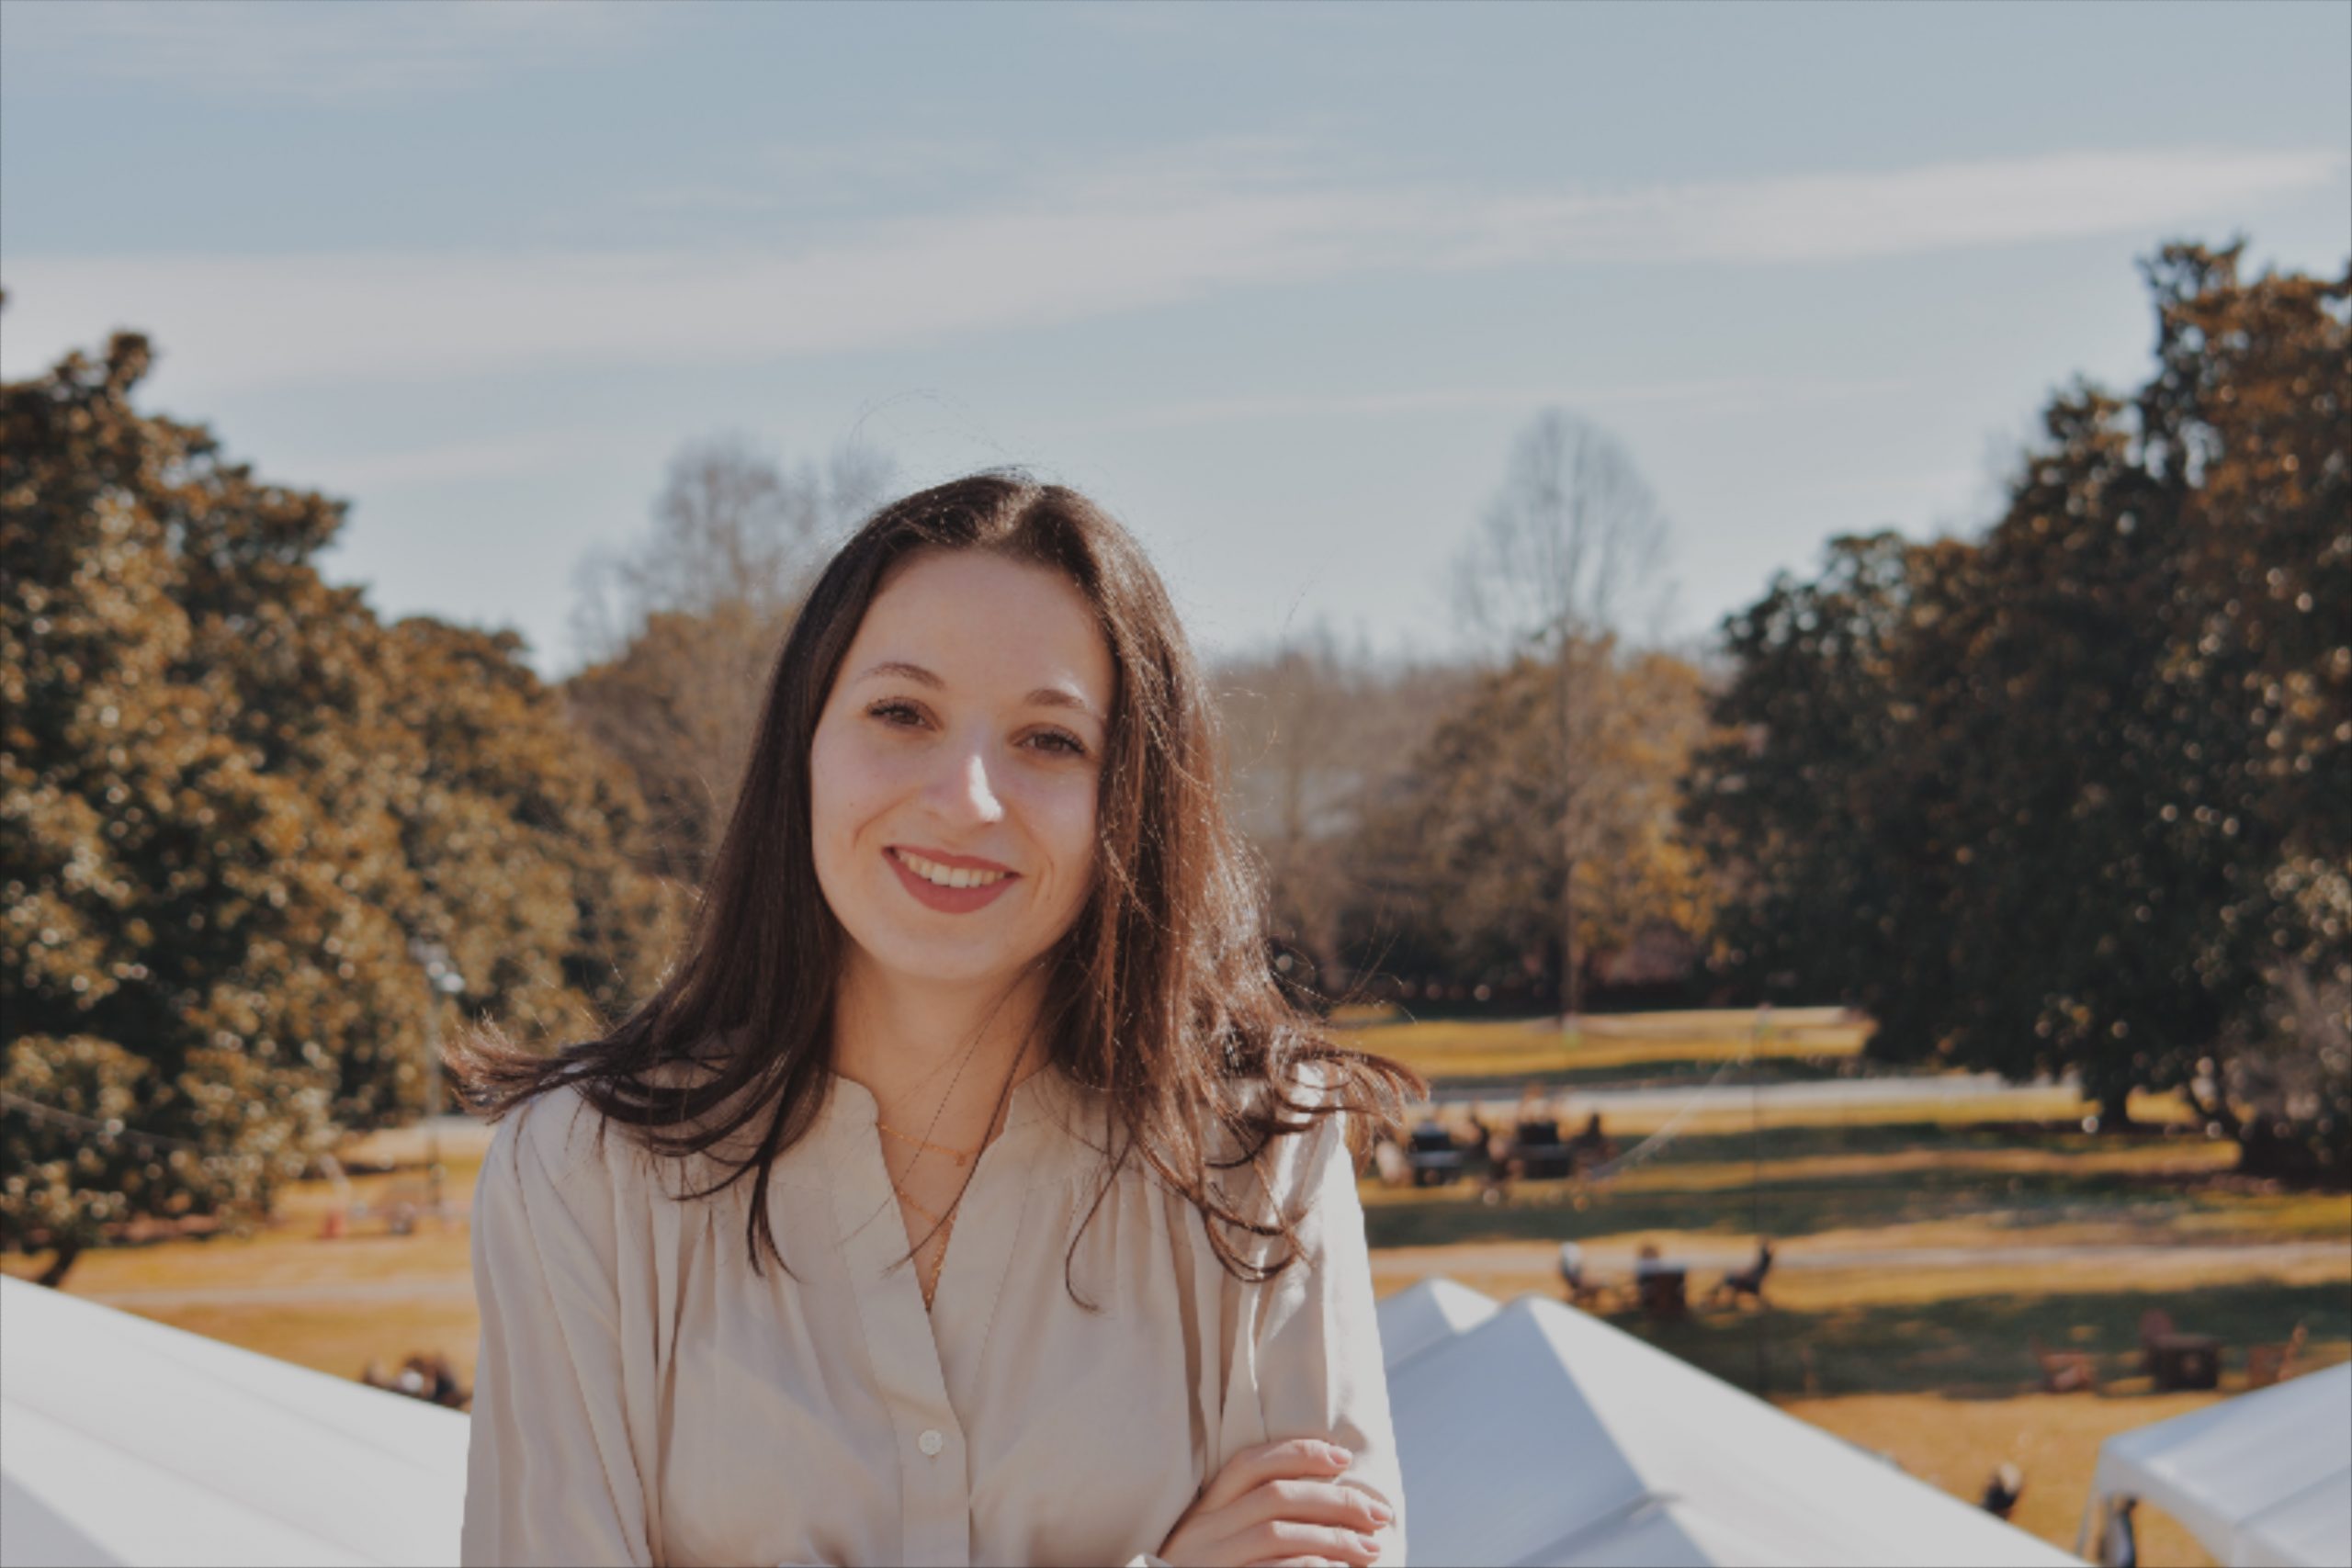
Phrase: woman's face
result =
(955, 767)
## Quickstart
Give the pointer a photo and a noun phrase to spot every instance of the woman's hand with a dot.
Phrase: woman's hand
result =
(1278, 1504)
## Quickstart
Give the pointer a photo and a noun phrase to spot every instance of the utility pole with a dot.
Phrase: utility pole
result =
(441, 978)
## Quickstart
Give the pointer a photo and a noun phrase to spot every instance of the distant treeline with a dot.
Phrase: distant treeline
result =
(2075, 795)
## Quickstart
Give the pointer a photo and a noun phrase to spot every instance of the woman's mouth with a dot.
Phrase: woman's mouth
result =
(951, 889)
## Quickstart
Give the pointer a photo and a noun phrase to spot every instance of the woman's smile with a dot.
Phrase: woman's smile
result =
(963, 743)
(954, 884)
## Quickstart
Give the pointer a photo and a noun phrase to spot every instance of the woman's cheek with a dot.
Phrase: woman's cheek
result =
(1071, 826)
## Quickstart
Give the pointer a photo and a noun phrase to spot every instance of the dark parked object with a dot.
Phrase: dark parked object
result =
(1541, 1153)
(1433, 1156)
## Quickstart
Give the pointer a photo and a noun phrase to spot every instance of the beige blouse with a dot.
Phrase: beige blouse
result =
(643, 1397)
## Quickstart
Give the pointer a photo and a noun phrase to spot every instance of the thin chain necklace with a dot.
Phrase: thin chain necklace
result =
(946, 1222)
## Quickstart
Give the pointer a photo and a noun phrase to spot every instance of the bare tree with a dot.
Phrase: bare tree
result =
(1312, 726)
(682, 626)
(731, 528)
(1569, 553)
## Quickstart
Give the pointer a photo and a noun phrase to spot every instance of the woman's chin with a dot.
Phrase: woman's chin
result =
(947, 965)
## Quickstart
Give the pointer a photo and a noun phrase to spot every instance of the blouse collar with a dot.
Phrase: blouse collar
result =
(1043, 1092)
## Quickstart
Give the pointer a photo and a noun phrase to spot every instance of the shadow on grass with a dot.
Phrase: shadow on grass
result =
(1813, 1141)
(1672, 1073)
(2019, 1202)
(1980, 1346)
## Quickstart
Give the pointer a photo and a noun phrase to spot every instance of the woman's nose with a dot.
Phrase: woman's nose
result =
(965, 791)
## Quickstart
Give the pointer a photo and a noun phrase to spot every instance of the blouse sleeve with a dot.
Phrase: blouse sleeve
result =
(551, 1472)
(1316, 1338)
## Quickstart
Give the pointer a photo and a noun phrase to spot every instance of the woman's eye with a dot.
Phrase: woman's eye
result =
(1061, 741)
(897, 714)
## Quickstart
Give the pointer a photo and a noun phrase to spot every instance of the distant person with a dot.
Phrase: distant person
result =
(1572, 1269)
(443, 1387)
(2120, 1547)
(1749, 1282)
(980, 930)
(2001, 1493)
(1593, 1146)
(1482, 1137)
(1502, 1164)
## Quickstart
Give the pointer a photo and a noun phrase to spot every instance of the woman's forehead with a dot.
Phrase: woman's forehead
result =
(978, 621)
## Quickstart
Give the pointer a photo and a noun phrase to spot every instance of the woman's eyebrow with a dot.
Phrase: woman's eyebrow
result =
(1057, 697)
(915, 672)
(1044, 696)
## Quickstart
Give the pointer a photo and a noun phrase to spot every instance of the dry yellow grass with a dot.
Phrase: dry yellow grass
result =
(286, 1253)
(1487, 1048)
(1956, 1444)
(338, 1338)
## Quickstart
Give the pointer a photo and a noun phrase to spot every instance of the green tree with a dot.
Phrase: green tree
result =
(171, 922)
(233, 801)
(1786, 801)
(2091, 772)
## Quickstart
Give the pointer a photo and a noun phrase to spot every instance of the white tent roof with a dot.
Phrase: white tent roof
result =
(1429, 1315)
(129, 1442)
(1537, 1435)
(2262, 1479)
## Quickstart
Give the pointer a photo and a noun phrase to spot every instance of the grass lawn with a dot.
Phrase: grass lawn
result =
(2054, 1439)
(273, 1267)
(1921, 1247)
(1624, 1048)
(1916, 1184)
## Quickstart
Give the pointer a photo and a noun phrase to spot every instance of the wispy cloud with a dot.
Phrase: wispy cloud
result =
(1935, 207)
(324, 55)
(1724, 395)
(1160, 233)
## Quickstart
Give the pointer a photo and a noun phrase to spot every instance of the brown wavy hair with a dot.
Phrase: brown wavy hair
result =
(1160, 996)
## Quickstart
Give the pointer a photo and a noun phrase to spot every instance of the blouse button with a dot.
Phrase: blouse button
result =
(930, 1442)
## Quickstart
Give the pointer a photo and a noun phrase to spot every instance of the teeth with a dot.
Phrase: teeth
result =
(948, 876)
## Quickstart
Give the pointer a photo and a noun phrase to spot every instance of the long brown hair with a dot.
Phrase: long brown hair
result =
(1160, 996)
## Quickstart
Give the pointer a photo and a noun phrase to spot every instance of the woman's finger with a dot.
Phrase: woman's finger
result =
(1253, 1467)
(1314, 1503)
(1289, 1538)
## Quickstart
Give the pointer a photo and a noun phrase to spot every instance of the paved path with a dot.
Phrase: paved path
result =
(1541, 1257)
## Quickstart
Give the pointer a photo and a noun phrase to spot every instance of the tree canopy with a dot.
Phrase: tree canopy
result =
(2078, 795)
(233, 799)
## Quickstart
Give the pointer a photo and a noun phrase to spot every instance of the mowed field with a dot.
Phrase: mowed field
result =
(1918, 1251)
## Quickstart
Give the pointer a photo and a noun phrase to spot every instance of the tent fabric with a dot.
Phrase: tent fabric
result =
(1428, 1316)
(2312, 1526)
(230, 1457)
(2265, 1478)
(1531, 1434)
(1536, 1435)
(32, 1532)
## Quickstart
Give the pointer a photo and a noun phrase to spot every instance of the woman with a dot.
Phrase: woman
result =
(971, 1193)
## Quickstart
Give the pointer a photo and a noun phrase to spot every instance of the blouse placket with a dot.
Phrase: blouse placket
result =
(901, 1336)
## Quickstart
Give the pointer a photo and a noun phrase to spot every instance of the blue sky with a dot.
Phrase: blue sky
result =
(1279, 284)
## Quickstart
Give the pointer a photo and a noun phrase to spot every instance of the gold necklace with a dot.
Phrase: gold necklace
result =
(961, 1157)
(946, 1222)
